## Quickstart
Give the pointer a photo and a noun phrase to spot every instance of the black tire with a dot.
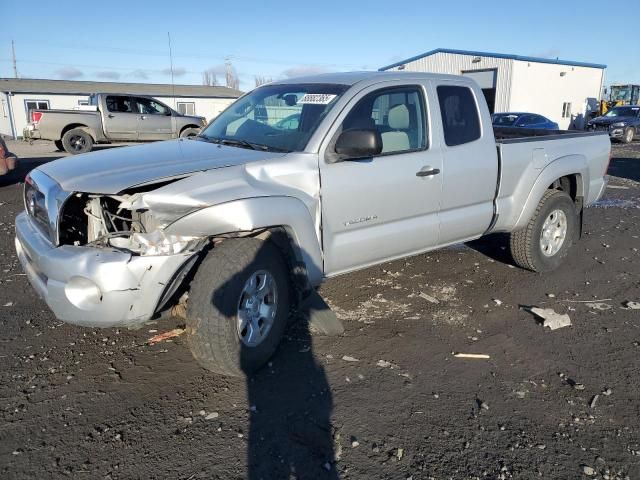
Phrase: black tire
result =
(525, 244)
(628, 135)
(77, 141)
(189, 132)
(212, 311)
(59, 146)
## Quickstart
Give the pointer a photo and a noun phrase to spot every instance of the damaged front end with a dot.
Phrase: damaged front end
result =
(112, 221)
(98, 260)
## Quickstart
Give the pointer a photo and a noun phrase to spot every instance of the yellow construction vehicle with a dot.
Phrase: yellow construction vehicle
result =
(620, 94)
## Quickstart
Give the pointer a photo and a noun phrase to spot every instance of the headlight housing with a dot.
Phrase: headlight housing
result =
(619, 124)
(159, 243)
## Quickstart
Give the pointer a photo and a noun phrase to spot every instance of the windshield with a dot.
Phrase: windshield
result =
(623, 112)
(274, 117)
(621, 93)
(504, 119)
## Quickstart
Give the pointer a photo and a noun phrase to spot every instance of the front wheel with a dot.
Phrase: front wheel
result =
(628, 135)
(238, 306)
(77, 141)
(544, 243)
(189, 132)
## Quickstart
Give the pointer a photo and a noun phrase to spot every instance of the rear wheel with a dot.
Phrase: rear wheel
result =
(628, 135)
(543, 244)
(77, 141)
(238, 306)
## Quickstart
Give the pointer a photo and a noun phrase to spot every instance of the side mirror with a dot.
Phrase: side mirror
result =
(353, 144)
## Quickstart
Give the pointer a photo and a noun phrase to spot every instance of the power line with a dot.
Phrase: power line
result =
(207, 56)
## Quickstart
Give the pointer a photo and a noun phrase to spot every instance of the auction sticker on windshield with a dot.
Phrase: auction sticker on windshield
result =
(317, 98)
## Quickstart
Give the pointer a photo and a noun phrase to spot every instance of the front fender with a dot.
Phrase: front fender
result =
(561, 167)
(249, 214)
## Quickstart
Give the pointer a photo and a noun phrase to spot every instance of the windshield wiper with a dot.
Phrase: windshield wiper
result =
(238, 142)
(242, 143)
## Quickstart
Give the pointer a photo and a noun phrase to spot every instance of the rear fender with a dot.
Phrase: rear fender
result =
(561, 167)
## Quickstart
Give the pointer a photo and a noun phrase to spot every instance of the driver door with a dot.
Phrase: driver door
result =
(383, 207)
(156, 121)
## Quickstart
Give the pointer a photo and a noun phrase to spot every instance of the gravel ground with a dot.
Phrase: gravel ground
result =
(387, 400)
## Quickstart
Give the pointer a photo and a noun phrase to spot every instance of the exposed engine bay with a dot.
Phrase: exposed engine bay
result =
(110, 221)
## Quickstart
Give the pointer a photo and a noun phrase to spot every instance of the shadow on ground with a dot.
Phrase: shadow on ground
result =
(625, 168)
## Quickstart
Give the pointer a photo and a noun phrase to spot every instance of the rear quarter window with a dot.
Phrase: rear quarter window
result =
(460, 117)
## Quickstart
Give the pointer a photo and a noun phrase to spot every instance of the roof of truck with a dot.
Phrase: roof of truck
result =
(351, 78)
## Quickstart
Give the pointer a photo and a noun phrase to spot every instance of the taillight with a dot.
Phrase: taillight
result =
(36, 116)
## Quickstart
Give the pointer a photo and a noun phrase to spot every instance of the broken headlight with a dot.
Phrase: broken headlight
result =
(160, 243)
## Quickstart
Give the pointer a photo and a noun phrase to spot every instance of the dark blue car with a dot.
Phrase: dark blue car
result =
(523, 120)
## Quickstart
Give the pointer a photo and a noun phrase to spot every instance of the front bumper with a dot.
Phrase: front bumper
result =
(614, 132)
(95, 287)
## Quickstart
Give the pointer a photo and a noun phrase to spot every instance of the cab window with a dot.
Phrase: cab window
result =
(398, 114)
(459, 112)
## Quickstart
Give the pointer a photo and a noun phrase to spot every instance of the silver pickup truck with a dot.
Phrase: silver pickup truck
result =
(297, 181)
(111, 118)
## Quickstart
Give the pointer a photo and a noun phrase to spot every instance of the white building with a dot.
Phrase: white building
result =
(563, 91)
(18, 96)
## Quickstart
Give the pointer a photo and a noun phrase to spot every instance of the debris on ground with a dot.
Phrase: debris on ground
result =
(551, 318)
(384, 364)
(589, 471)
(482, 405)
(400, 453)
(631, 305)
(598, 306)
(8, 304)
(428, 298)
(497, 302)
(471, 355)
(347, 358)
(161, 337)
(594, 399)
(212, 416)
(606, 392)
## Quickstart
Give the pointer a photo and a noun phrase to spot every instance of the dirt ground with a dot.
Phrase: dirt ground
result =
(387, 400)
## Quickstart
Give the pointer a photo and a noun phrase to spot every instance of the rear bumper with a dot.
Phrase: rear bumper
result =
(95, 287)
(30, 132)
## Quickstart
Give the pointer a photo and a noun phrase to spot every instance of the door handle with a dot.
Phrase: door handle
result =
(110, 115)
(427, 172)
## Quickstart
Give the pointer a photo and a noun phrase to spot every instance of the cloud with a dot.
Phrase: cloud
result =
(69, 73)
(177, 71)
(303, 70)
(139, 74)
(549, 53)
(109, 75)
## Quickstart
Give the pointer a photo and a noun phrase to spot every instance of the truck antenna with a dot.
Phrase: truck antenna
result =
(173, 85)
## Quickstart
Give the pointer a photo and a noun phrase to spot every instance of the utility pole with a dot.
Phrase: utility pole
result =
(15, 65)
(173, 85)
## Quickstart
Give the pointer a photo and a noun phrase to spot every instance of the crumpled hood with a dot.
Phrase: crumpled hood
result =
(113, 170)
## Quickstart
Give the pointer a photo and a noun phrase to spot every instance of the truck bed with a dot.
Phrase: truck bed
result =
(525, 154)
(516, 134)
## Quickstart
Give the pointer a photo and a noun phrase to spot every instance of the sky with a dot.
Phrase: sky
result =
(128, 41)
